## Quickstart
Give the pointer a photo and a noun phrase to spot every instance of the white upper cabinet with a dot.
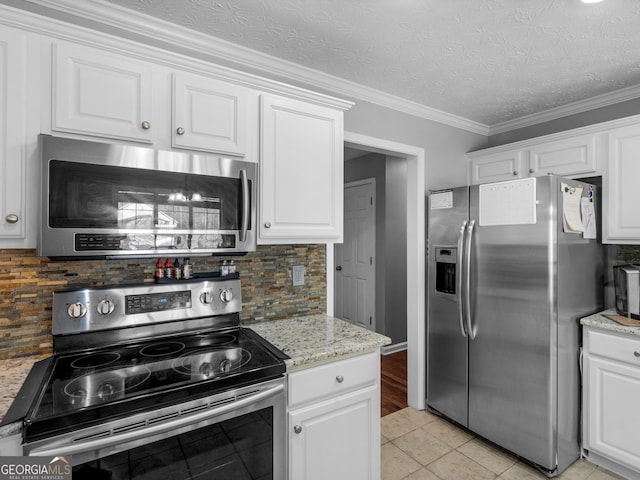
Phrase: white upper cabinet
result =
(572, 155)
(12, 114)
(621, 212)
(18, 140)
(210, 115)
(497, 167)
(301, 174)
(101, 93)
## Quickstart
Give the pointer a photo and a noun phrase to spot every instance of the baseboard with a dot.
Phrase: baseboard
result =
(396, 347)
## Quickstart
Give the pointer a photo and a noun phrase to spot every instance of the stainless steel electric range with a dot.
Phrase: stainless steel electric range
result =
(157, 380)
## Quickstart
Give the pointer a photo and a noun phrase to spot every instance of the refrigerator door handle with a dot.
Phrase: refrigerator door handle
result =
(467, 280)
(459, 277)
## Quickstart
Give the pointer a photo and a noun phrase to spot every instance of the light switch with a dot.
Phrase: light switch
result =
(298, 275)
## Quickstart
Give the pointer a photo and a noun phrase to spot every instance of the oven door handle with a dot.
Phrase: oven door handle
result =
(246, 210)
(158, 428)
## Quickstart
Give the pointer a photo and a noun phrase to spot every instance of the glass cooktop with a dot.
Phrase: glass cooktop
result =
(86, 387)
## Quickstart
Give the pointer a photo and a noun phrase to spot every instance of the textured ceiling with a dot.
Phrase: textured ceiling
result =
(489, 61)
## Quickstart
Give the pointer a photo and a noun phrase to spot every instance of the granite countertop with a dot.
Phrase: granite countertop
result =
(12, 375)
(308, 340)
(315, 339)
(599, 320)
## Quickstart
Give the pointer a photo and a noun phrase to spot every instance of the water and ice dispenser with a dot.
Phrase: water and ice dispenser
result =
(446, 266)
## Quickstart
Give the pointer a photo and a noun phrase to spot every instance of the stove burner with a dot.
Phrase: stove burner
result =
(211, 362)
(95, 360)
(104, 386)
(161, 349)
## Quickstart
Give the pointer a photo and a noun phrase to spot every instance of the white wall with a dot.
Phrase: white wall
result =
(444, 146)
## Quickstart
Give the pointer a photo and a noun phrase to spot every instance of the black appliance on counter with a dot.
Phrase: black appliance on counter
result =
(157, 379)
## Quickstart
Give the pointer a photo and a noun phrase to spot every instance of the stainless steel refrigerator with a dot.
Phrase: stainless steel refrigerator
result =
(508, 280)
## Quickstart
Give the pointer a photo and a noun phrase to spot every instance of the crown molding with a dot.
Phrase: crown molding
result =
(133, 25)
(604, 100)
(593, 129)
(127, 21)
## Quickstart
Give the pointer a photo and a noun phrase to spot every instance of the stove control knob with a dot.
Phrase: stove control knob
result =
(77, 310)
(105, 307)
(226, 295)
(206, 297)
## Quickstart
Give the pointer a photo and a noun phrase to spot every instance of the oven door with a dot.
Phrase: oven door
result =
(238, 434)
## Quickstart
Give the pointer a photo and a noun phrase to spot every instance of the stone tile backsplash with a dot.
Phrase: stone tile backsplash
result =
(27, 282)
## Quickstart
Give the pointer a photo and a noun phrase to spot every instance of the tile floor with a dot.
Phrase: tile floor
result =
(417, 445)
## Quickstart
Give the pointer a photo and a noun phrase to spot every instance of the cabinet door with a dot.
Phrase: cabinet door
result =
(498, 167)
(336, 439)
(101, 93)
(13, 166)
(570, 156)
(611, 410)
(210, 115)
(301, 172)
(621, 215)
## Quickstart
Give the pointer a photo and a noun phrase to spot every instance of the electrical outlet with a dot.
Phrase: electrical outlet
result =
(298, 275)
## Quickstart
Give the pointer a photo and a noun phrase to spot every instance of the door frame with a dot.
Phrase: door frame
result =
(416, 239)
(358, 183)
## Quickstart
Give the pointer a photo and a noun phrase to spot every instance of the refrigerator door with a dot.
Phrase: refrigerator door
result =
(446, 344)
(512, 358)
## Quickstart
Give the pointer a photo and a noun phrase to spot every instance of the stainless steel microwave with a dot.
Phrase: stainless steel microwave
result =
(104, 200)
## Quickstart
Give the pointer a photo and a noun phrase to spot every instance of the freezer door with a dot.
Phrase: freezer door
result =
(512, 356)
(446, 345)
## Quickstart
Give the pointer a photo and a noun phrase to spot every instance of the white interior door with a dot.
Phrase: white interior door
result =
(355, 258)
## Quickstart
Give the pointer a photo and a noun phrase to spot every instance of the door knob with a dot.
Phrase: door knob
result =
(180, 131)
(146, 125)
(297, 429)
(339, 268)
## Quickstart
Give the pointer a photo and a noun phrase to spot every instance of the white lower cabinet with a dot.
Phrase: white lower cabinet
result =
(611, 396)
(334, 420)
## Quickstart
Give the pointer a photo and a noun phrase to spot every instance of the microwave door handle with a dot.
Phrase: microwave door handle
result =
(459, 277)
(246, 199)
(467, 279)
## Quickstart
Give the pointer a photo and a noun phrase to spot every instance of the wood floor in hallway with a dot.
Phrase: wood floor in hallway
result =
(393, 371)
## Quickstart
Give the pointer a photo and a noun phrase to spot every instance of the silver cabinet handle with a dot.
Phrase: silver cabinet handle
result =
(297, 429)
(145, 125)
(515, 173)
(12, 218)
(531, 170)
(339, 268)
(340, 379)
(637, 354)
(180, 131)
(267, 225)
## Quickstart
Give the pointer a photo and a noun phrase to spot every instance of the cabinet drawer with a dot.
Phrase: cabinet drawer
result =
(316, 383)
(614, 346)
